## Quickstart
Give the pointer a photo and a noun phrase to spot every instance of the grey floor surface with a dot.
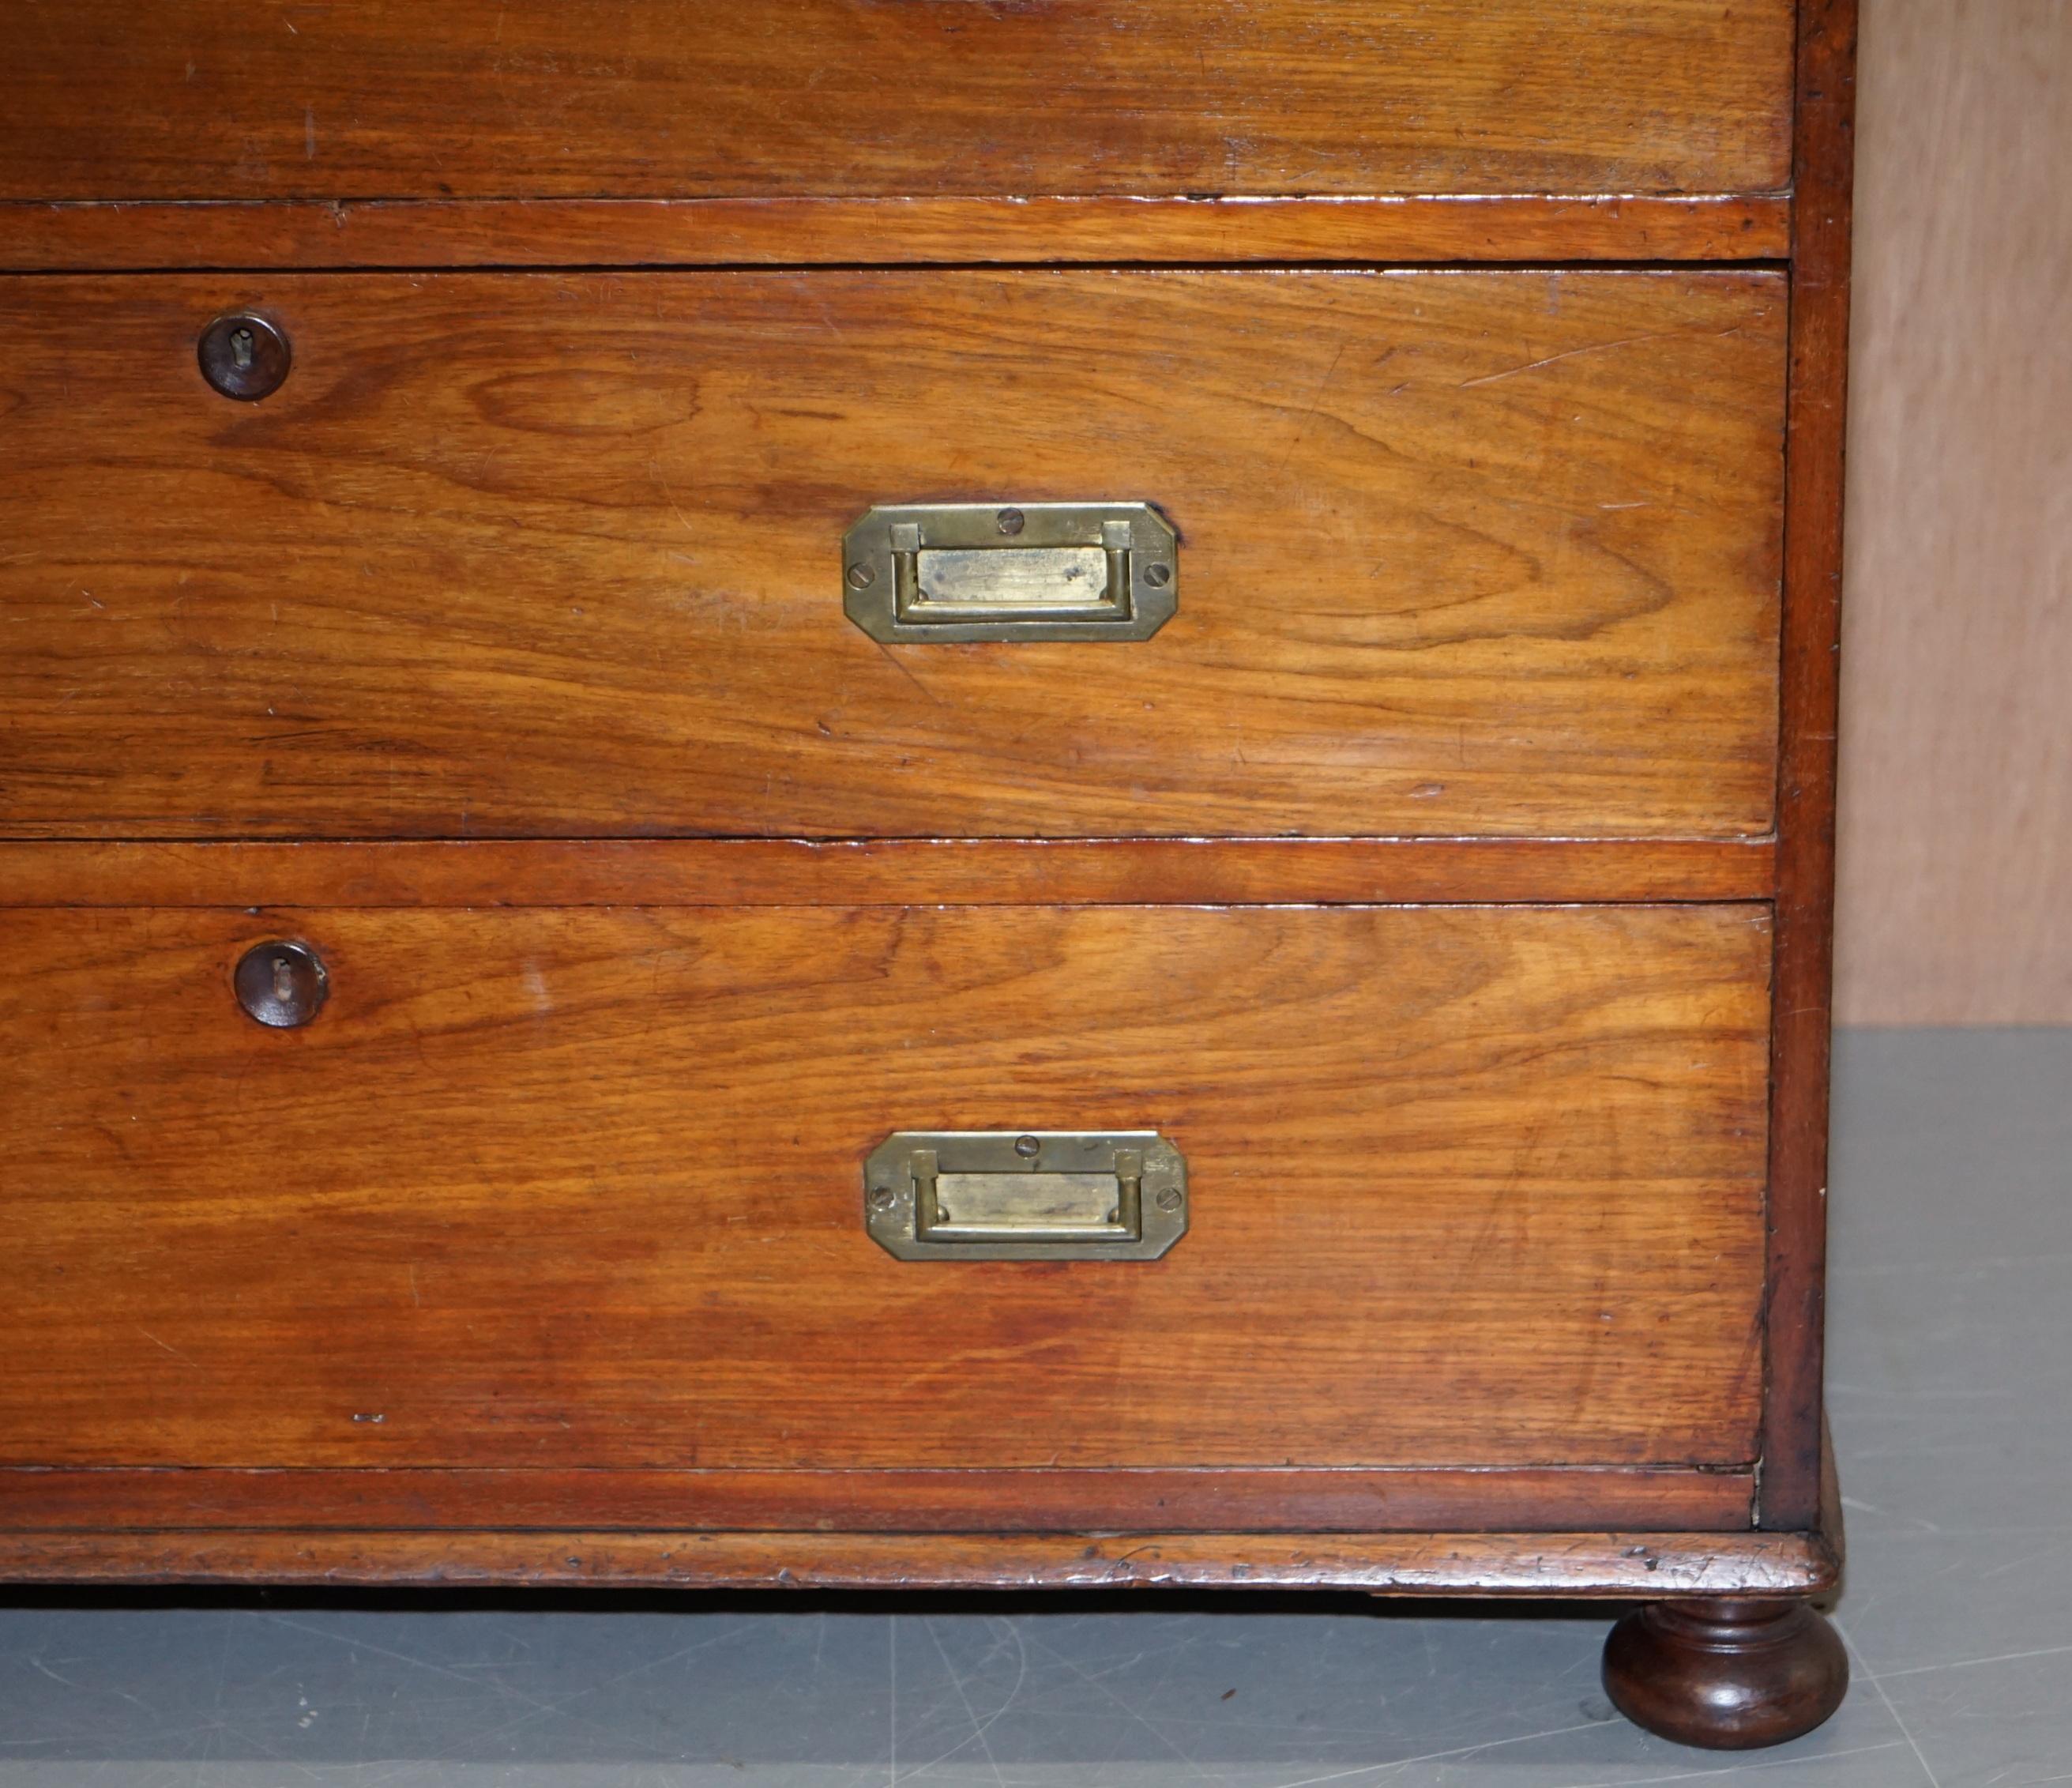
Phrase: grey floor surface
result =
(1950, 1387)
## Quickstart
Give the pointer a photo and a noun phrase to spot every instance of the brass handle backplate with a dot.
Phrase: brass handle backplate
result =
(945, 573)
(1025, 1195)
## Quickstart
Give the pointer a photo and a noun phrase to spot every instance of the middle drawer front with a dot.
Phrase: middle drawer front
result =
(585, 1187)
(1489, 552)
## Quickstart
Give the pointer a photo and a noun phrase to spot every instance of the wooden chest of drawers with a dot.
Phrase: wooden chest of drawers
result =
(861, 793)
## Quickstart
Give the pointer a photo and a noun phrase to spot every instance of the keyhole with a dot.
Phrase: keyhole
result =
(240, 348)
(284, 980)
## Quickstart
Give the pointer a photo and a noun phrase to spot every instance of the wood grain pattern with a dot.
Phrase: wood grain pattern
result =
(1470, 1186)
(107, 99)
(1613, 1566)
(739, 872)
(628, 232)
(1956, 852)
(891, 1501)
(511, 554)
(1795, 1343)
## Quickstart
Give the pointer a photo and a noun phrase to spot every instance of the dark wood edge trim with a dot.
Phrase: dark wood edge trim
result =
(37, 1498)
(779, 872)
(1824, 159)
(1614, 1565)
(201, 234)
(1833, 1526)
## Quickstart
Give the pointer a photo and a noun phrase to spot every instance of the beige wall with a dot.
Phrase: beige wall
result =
(1956, 833)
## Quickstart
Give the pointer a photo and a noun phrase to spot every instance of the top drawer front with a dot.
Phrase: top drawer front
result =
(533, 555)
(112, 98)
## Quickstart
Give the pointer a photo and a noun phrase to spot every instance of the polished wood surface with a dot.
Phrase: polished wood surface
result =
(1610, 1566)
(500, 656)
(1726, 1674)
(516, 554)
(737, 872)
(562, 1189)
(1795, 1344)
(1956, 852)
(177, 235)
(929, 1501)
(105, 99)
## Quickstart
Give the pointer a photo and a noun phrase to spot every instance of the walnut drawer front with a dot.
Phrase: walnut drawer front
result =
(598, 97)
(581, 1188)
(522, 555)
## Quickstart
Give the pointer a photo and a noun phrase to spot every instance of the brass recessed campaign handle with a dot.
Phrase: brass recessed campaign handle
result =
(1031, 1206)
(1037, 1195)
(952, 572)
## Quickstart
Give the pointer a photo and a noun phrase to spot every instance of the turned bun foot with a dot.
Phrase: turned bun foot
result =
(1728, 1676)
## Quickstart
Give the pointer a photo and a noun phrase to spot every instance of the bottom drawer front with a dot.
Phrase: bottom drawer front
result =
(585, 1187)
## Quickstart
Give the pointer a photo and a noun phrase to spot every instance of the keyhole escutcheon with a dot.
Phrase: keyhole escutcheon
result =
(281, 984)
(244, 356)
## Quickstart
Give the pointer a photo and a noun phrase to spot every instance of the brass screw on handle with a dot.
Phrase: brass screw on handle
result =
(281, 985)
